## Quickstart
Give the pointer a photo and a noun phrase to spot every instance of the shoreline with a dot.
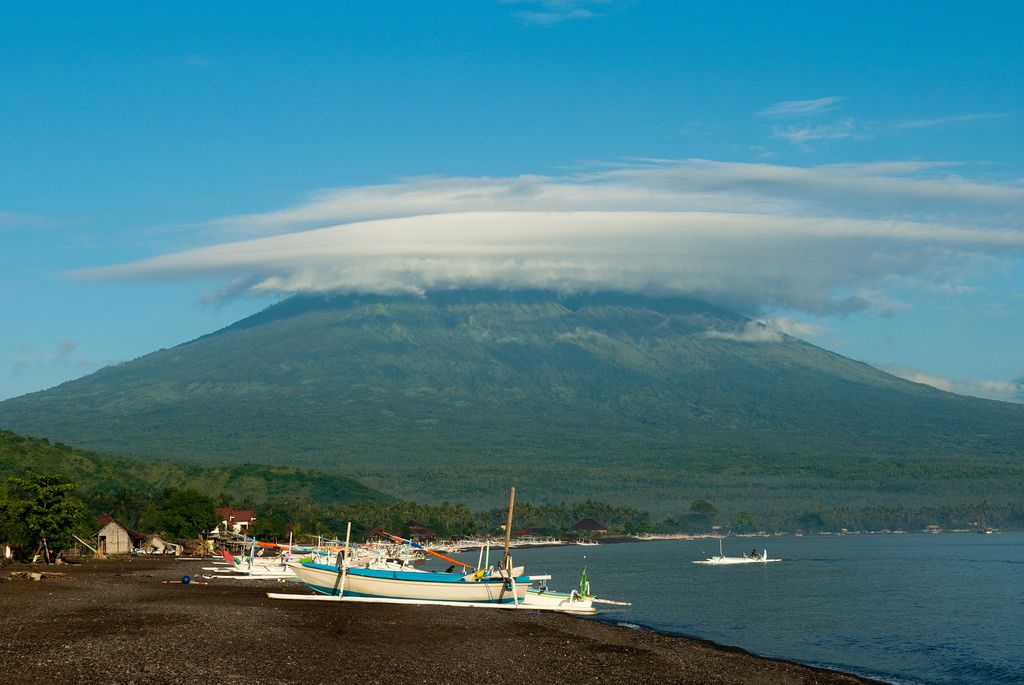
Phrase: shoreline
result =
(629, 625)
(116, 621)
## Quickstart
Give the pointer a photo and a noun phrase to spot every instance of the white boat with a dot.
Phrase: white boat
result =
(754, 557)
(481, 587)
(508, 585)
(568, 602)
(412, 584)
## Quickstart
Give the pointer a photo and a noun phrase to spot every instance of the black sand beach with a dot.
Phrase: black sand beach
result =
(117, 622)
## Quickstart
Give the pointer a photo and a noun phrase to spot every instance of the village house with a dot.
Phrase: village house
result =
(235, 520)
(113, 538)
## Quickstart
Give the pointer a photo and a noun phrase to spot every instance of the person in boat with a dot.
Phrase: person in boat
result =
(754, 554)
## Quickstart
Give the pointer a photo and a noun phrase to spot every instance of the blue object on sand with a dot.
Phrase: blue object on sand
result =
(185, 580)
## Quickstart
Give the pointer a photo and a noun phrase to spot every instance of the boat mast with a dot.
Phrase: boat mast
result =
(506, 561)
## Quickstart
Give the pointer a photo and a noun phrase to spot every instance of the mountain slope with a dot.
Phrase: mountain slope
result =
(457, 395)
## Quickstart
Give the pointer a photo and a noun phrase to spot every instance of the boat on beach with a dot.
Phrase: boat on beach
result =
(507, 586)
(413, 584)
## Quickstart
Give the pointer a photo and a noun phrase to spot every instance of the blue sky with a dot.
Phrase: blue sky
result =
(851, 174)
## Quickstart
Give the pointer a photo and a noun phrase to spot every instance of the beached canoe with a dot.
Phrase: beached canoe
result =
(408, 584)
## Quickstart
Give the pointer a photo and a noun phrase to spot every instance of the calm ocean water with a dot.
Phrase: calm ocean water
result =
(918, 608)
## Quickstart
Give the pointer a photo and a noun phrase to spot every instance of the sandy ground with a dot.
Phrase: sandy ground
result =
(117, 622)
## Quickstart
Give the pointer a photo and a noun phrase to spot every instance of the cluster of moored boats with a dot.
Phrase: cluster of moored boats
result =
(386, 572)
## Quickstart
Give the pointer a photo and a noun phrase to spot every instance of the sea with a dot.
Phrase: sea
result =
(900, 608)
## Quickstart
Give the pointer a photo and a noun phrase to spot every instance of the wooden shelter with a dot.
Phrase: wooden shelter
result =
(113, 538)
(156, 544)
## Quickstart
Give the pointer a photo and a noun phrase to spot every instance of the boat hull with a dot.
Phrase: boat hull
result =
(732, 561)
(416, 585)
(569, 602)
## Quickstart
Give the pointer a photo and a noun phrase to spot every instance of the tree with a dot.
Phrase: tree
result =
(40, 508)
(181, 513)
(742, 522)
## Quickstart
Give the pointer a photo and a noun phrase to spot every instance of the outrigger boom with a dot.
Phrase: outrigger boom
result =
(425, 602)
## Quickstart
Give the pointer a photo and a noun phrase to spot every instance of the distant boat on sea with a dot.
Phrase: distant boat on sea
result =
(754, 557)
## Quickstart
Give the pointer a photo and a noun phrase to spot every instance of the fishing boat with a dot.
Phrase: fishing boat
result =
(754, 557)
(481, 586)
(507, 585)
(413, 584)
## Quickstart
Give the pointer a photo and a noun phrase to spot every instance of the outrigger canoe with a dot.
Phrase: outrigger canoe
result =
(408, 584)
(754, 557)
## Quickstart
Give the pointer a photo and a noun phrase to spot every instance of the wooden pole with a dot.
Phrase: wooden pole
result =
(344, 566)
(506, 561)
(90, 547)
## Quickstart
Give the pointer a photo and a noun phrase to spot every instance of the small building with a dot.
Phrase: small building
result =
(589, 525)
(235, 520)
(156, 544)
(113, 538)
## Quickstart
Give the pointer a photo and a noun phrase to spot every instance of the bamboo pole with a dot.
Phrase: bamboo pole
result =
(506, 560)
(344, 558)
(86, 544)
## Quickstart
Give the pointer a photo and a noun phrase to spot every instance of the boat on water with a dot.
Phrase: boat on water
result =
(754, 557)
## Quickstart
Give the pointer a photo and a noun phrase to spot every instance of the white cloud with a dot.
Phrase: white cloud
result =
(905, 189)
(790, 108)
(744, 260)
(550, 12)
(943, 121)
(794, 327)
(826, 239)
(1006, 391)
(799, 135)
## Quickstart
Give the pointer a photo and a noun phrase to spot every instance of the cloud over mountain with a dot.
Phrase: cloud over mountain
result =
(823, 239)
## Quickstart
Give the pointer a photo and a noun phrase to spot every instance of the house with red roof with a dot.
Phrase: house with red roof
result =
(235, 520)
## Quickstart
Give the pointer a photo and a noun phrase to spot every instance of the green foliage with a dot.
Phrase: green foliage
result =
(181, 514)
(742, 522)
(454, 397)
(127, 488)
(40, 508)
